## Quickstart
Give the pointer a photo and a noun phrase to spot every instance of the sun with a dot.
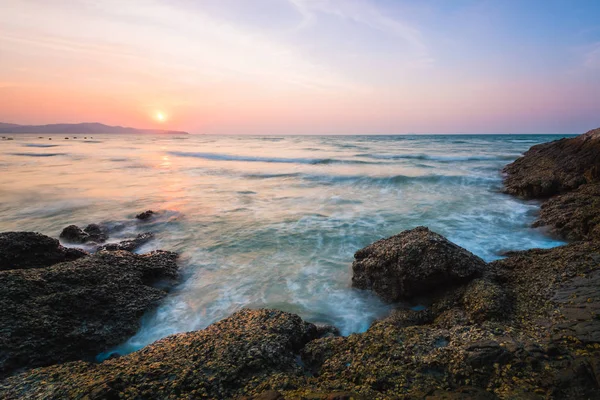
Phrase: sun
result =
(160, 116)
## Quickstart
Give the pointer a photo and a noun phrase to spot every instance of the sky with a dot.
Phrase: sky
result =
(304, 66)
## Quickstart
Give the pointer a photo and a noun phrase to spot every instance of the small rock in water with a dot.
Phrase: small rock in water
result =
(145, 215)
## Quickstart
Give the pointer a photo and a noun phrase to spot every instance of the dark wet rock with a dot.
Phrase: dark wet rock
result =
(463, 393)
(556, 167)
(574, 215)
(578, 311)
(324, 330)
(95, 233)
(404, 317)
(129, 245)
(73, 234)
(485, 300)
(268, 395)
(75, 310)
(146, 215)
(33, 250)
(411, 263)
(226, 360)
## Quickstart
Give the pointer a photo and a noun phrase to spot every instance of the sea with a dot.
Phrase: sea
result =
(269, 221)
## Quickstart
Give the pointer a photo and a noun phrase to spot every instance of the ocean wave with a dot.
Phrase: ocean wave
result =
(38, 154)
(40, 145)
(230, 157)
(392, 180)
(524, 141)
(440, 158)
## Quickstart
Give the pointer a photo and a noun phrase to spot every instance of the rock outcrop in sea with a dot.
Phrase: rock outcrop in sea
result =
(524, 327)
(568, 171)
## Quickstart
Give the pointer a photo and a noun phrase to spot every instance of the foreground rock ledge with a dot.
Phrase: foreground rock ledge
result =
(544, 344)
(412, 263)
(75, 310)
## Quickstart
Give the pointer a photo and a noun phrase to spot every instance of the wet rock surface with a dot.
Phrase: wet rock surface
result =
(33, 250)
(129, 245)
(527, 329)
(75, 310)
(557, 167)
(414, 262)
(237, 354)
(146, 215)
(574, 215)
(91, 233)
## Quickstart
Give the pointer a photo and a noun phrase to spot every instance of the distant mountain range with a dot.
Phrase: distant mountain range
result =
(83, 128)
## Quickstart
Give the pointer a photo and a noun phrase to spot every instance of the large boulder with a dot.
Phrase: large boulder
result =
(32, 250)
(231, 357)
(414, 262)
(556, 167)
(75, 310)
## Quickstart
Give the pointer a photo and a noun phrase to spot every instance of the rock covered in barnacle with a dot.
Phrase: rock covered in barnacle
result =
(412, 263)
(574, 215)
(557, 167)
(33, 250)
(542, 344)
(239, 352)
(77, 309)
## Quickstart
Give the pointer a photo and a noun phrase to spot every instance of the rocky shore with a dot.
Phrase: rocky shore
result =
(526, 326)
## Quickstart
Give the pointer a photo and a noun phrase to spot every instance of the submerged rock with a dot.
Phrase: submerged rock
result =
(557, 167)
(33, 250)
(92, 233)
(95, 233)
(146, 215)
(75, 310)
(129, 245)
(412, 263)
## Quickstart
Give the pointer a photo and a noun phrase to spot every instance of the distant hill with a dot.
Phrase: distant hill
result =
(83, 128)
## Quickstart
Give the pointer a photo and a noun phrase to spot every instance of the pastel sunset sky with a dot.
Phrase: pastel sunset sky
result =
(304, 66)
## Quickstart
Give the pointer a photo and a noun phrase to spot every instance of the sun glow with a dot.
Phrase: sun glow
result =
(160, 116)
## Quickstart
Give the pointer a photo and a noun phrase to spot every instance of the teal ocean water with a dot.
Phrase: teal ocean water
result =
(269, 221)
